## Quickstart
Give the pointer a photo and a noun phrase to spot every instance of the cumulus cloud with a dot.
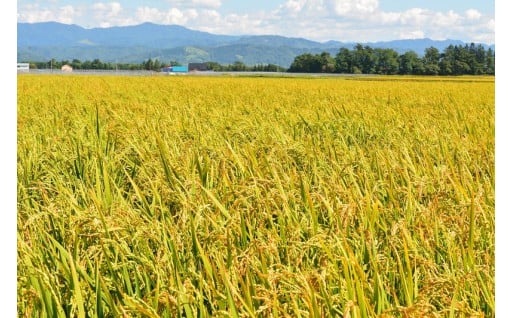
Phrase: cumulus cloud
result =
(195, 3)
(67, 14)
(107, 10)
(34, 13)
(342, 20)
(447, 19)
(473, 14)
(416, 34)
(387, 17)
(491, 25)
(207, 3)
(293, 6)
(301, 9)
(110, 14)
(232, 23)
(171, 16)
(354, 7)
(415, 17)
(323, 8)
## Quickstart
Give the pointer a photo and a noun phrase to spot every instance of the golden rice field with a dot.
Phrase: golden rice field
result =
(194, 196)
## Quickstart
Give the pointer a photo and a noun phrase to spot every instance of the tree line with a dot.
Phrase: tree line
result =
(469, 59)
(239, 66)
(152, 65)
(95, 64)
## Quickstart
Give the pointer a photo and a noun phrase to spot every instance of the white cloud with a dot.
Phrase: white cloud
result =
(301, 9)
(293, 6)
(191, 14)
(67, 14)
(206, 3)
(473, 14)
(174, 16)
(417, 34)
(342, 20)
(387, 17)
(232, 23)
(355, 7)
(171, 16)
(491, 25)
(147, 14)
(447, 20)
(109, 14)
(210, 14)
(107, 10)
(34, 13)
(323, 8)
(416, 17)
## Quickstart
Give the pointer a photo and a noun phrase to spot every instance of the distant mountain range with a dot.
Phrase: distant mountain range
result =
(134, 44)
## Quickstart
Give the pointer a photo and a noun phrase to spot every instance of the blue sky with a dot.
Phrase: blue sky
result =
(321, 20)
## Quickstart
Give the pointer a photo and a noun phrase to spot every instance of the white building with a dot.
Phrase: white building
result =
(66, 68)
(23, 67)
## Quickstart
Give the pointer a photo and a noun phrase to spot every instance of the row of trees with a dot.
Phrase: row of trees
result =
(95, 64)
(153, 65)
(239, 66)
(454, 60)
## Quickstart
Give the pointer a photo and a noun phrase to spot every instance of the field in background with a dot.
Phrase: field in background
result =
(255, 197)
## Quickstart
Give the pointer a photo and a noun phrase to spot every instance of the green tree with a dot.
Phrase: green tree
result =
(386, 61)
(239, 66)
(327, 61)
(431, 61)
(478, 59)
(489, 62)
(431, 69)
(445, 67)
(214, 66)
(96, 64)
(344, 61)
(76, 64)
(364, 59)
(410, 63)
(148, 65)
(307, 63)
(53, 64)
(86, 65)
(431, 55)
(462, 60)
(447, 60)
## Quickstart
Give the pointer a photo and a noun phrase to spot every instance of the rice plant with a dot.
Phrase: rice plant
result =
(255, 197)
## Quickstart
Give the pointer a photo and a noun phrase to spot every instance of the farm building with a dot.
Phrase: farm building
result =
(23, 67)
(175, 69)
(66, 68)
(197, 67)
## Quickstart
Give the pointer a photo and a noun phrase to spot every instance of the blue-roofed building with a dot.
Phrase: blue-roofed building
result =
(175, 69)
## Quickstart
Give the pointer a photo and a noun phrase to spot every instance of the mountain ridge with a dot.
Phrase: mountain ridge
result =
(136, 43)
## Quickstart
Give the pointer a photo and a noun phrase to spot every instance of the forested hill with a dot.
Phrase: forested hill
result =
(134, 44)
